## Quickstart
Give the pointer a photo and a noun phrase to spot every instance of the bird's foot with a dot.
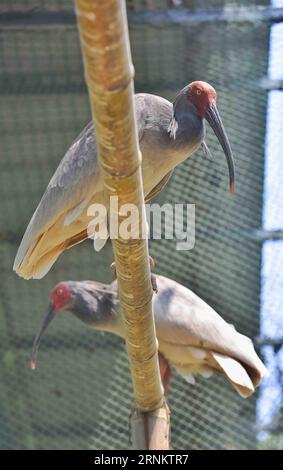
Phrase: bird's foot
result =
(153, 277)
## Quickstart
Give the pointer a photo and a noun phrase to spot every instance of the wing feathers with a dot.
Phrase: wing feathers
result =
(74, 213)
(235, 373)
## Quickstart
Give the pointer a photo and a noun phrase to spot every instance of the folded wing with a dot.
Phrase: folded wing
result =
(61, 220)
(196, 340)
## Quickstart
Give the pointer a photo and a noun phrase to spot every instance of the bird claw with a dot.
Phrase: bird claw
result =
(153, 277)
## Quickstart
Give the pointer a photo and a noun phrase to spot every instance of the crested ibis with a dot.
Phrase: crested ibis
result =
(192, 337)
(168, 134)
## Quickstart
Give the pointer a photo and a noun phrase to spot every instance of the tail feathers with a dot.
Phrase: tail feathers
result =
(26, 245)
(45, 264)
(253, 363)
(35, 264)
(40, 268)
(236, 374)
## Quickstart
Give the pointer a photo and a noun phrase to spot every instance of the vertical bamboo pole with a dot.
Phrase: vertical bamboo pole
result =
(109, 75)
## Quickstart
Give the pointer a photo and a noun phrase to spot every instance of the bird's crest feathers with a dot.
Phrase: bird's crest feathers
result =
(173, 127)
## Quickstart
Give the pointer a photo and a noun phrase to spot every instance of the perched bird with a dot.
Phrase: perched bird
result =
(192, 337)
(168, 134)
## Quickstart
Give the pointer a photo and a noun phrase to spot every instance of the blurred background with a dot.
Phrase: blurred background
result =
(80, 396)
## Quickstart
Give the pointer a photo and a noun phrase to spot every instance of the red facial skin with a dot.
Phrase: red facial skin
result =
(201, 94)
(60, 296)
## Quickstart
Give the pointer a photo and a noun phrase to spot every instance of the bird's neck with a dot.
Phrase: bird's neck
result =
(101, 312)
(186, 127)
(111, 320)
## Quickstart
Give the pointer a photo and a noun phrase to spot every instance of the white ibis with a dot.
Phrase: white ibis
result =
(192, 337)
(168, 134)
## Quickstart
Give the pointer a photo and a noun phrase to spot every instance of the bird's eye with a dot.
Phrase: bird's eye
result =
(198, 91)
(60, 291)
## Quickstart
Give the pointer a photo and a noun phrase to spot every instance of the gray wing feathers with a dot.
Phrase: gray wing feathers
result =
(73, 184)
(68, 188)
(188, 320)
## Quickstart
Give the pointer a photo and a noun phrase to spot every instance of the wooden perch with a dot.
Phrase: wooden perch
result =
(109, 75)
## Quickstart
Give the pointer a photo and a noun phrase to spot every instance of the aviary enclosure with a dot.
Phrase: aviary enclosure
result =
(81, 394)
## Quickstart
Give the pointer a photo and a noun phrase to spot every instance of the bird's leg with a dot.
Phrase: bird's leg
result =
(153, 277)
(165, 372)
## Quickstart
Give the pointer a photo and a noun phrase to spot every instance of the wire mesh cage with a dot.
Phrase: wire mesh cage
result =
(81, 395)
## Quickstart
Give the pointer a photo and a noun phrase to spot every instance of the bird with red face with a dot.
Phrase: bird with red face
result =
(168, 134)
(192, 337)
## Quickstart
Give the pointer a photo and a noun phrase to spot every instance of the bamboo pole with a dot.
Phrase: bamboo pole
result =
(109, 75)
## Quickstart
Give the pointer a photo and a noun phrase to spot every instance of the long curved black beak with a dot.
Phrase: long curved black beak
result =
(213, 118)
(50, 314)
